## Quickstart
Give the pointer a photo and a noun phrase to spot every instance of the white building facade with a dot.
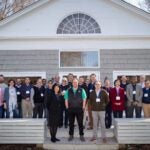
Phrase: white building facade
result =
(105, 37)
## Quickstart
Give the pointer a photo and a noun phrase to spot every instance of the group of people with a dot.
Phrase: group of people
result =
(63, 103)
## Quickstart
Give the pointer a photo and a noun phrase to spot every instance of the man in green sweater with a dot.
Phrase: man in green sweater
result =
(98, 100)
(75, 100)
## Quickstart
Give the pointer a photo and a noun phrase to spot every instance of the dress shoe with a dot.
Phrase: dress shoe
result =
(92, 139)
(57, 139)
(70, 138)
(89, 128)
(82, 138)
(104, 140)
(53, 140)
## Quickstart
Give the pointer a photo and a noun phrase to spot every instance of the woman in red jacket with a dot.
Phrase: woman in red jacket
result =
(117, 99)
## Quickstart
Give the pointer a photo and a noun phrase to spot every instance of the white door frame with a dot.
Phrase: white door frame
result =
(80, 73)
(129, 73)
(25, 74)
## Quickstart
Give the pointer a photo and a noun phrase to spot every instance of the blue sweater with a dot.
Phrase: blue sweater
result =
(26, 91)
(146, 96)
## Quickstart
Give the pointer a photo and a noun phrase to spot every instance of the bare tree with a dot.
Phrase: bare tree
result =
(5, 7)
(148, 5)
(9, 7)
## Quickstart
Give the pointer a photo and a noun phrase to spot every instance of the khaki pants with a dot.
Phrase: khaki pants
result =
(90, 116)
(85, 116)
(26, 109)
(98, 116)
(146, 109)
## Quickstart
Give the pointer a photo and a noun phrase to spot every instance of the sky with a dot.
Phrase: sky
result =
(135, 2)
(138, 3)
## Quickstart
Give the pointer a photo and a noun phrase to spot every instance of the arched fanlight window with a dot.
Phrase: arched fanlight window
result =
(78, 24)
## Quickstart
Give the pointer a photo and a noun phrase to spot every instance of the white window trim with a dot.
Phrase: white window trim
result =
(24, 74)
(80, 73)
(82, 50)
(129, 73)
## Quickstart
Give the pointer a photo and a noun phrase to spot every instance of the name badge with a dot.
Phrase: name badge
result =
(146, 95)
(18, 93)
(117, 98)
(125, 93)
(107, 93)
(42, 94)
(64, 91)
(27, 92)
(91, 91)
(134, 92)
(12, 92)
(98, 100)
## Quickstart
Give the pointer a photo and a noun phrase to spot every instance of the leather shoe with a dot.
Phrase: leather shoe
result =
(93, 139)
(53, 140)
(89, 128)
(82, 138)
(57, 139)
(70, 138)
(104, 140)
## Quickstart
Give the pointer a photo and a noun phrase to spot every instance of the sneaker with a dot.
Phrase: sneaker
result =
(82, 138)
(70, 138)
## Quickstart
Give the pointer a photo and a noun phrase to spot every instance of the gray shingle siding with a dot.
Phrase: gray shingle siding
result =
(30, 61)
(123, 60)
(48, 60)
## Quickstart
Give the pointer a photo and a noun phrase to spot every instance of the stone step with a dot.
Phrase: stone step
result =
(76, 144)
(63, 132)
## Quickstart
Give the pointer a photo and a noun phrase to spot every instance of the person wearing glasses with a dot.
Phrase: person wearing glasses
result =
(98, 101)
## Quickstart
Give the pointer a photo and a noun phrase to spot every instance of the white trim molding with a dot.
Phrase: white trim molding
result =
(129, 73)
(75, 42)
(24, 74)
(76, 37)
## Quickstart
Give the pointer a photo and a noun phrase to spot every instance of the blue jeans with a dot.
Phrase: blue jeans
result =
(118, 114)
(15, 113)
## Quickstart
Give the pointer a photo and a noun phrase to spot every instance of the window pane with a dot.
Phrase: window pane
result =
(79, 59)
(78, 24)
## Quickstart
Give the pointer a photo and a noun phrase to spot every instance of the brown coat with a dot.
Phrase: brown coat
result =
(99, 106)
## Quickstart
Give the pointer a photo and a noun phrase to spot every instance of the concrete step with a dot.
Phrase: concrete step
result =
(76, 144)
(63, 132)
